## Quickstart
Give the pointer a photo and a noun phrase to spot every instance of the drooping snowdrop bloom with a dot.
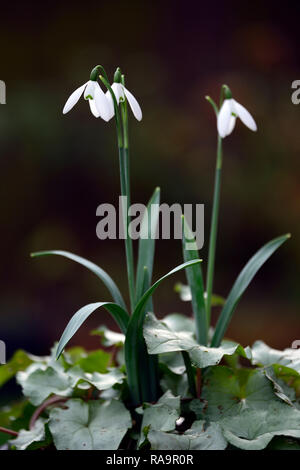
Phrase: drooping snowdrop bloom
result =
(120, 93)
(229, 111)
(99, 104)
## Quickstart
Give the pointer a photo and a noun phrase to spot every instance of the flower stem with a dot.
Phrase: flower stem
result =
(117, 114)
(213, 230)
(125, 184)
(55, 399)
(199, 382)
(9, 431)
(126, 167)
(124, 111)
(123, 158)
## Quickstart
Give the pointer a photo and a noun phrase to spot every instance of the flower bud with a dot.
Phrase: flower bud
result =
(227, 92)
(94, 73)
(118, 76)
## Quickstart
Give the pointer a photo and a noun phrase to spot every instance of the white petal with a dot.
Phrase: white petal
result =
(72, 100)
(90, 89)
(93, 108)
(102, 103)
(224, 118)
(244, 116)
(135, 107)
(232, 122)
(118, 90)
(110, 103)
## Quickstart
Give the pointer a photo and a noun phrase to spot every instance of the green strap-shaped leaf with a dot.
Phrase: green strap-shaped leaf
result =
(195, 281)
(134, 332)
(148, 364)
(147, 244)
(119, 314)
(241, 284)
(145, 263)
(105, 278)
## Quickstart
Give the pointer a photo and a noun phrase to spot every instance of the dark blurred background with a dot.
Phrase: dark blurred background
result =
(56, 170)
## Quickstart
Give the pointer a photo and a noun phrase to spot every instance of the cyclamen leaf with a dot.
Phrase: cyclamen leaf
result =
(226, 392)
(185, 295)
(196, 438)
(14, 416)
(38, 384)
(281, 389)
(179, 322)
(161, 416)
(241, 284)
(160, 339)
(94, 361)
(244, 404)
(105, 278)
(253, 430)
(266, 356)
(89, 426)
(109, 337)
(203, 437)
(173, 362)
(160, 440)
(285, 364)
(26, 438)
(170, 400)
(20, 361)
(174, 382)
(184, 291)
(100, 381)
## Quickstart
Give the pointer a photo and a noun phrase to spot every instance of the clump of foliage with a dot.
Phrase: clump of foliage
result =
(171, 383)
(246, 398)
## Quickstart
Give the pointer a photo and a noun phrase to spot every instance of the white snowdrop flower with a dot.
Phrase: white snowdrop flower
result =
(120, 93)
(99, 104)
(229, 111)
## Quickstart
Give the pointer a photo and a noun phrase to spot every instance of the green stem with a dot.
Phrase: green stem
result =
(148, 365)
(123, 157)
(126, 167)
(125, 185)
(117, 114)
(124, 111)
(190, 373)
(215, 107)
(213, 231)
